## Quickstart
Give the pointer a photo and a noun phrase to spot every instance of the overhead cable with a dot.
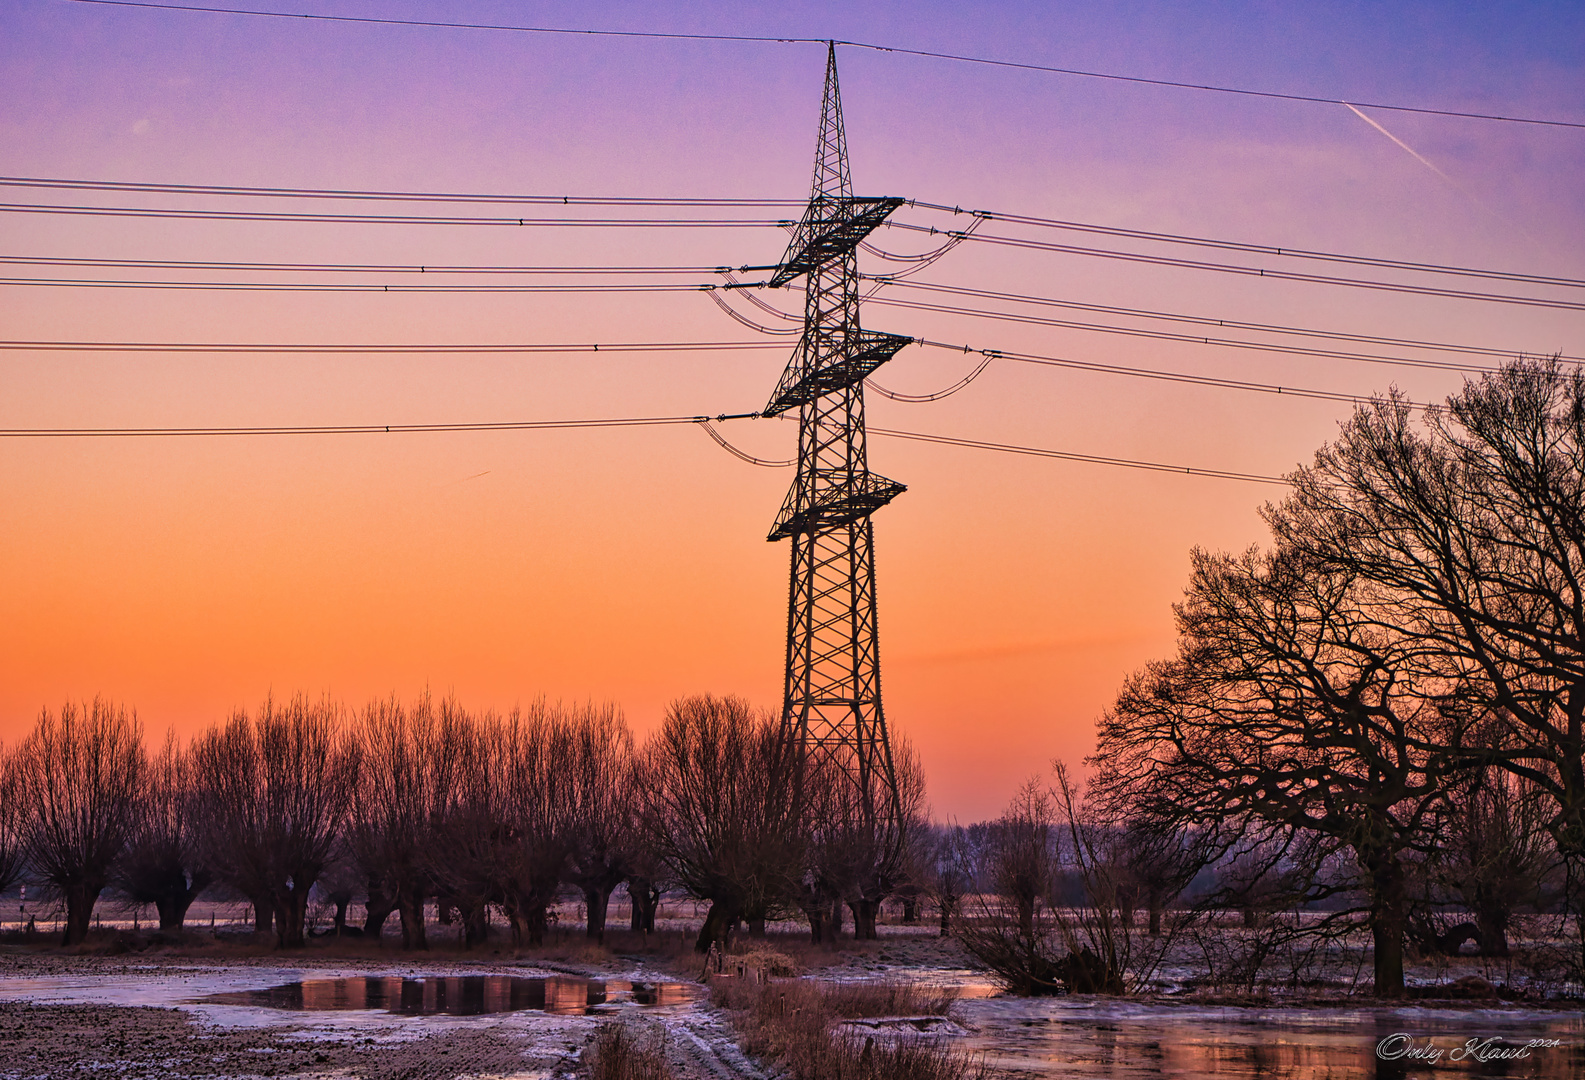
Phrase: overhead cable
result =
(346, 429)
(1255, 271)
(740, 454)
(351, 286)
(70, 184)
(563, 425)
(1065, 455)
(981, 216)
(343, 268)
(1194, 339)
(920, 399)
(244, 348)
(1173, 84)
(1201, 320)
(388, 219)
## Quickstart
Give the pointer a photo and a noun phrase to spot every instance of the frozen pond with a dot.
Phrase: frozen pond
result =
(457, 995)
(1084, 1037)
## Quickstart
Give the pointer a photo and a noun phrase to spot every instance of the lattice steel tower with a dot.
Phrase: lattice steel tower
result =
(833, 688)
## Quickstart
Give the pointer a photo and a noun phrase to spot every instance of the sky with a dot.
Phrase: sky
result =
(190, 577)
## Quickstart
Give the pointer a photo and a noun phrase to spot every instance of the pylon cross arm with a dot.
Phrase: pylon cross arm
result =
(842, 505)
(806, 379)
(831, 227)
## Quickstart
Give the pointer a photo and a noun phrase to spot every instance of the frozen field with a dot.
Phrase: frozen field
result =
(388, 1016)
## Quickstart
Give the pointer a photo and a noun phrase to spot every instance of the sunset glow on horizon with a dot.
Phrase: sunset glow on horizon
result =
(189, 577)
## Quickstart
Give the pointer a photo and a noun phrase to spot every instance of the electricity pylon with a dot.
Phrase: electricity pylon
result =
(833, 690)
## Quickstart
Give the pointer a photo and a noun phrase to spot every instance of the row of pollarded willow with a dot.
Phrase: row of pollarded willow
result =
(429, 801)
(1411, 648)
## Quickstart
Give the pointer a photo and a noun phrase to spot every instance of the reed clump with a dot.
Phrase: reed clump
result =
(797, 1024)
(621, 1052)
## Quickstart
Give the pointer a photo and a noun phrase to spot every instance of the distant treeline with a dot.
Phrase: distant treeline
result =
(406, 803)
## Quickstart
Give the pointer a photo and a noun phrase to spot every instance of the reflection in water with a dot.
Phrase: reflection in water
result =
(462, 995)
(1074, 1038)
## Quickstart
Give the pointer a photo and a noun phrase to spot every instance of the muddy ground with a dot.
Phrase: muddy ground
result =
(129, 1007)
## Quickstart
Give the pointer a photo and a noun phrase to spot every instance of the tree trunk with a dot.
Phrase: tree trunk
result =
(1026, 916)
(910, 909)
(173, 910)
(865, 913)
(1388, 920)
(79, 912)
(596, 900)
(949, 904)
(291, 912)
(645, 899)
(475, 924)
(816, 914)
(411, 906)
(376, 910)
(1155, 919)
(263, 913)
(834, 924)
(538, 919)
(756, 927)
(717, 921)
(1491, 931)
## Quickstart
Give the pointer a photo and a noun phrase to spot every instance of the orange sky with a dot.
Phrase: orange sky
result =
(188, 577)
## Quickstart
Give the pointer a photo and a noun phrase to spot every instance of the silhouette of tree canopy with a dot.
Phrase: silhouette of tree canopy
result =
(278, 786)
(78, 775)
(166, 861)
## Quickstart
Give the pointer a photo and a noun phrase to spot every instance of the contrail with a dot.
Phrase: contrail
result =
(1411, 151)
(1454, 184)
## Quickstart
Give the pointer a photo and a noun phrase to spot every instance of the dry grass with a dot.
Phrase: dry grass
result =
(790, 1022)
(620, 1052)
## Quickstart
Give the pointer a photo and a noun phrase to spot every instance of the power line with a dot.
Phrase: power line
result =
(349, 287)
(872, 46)
(954, 237)
(1231, 324)
(388, 219)
(1253, 271)
(620, 422)
(245, 348)
(1065, 455)
(1193, 339)
(348, 429)
(69, 184)
(1138, 373)
(1253, 248)
(346, 268)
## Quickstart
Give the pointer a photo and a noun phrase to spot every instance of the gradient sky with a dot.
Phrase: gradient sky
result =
(189, 577)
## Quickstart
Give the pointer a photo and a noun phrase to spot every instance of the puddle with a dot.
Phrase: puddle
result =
(1077, 1037)
(457, 995)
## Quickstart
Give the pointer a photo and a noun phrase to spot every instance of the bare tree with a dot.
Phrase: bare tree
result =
(1290, 707)
(528, 758)
(279, 787)
(390, 834)
(1469, 521)
(465, 859)
(78, 774)
(602, 811)
(1023, 856)
(721, 807)
(12, 821)
(165, 861)
(950, 871)
(1496, 853)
